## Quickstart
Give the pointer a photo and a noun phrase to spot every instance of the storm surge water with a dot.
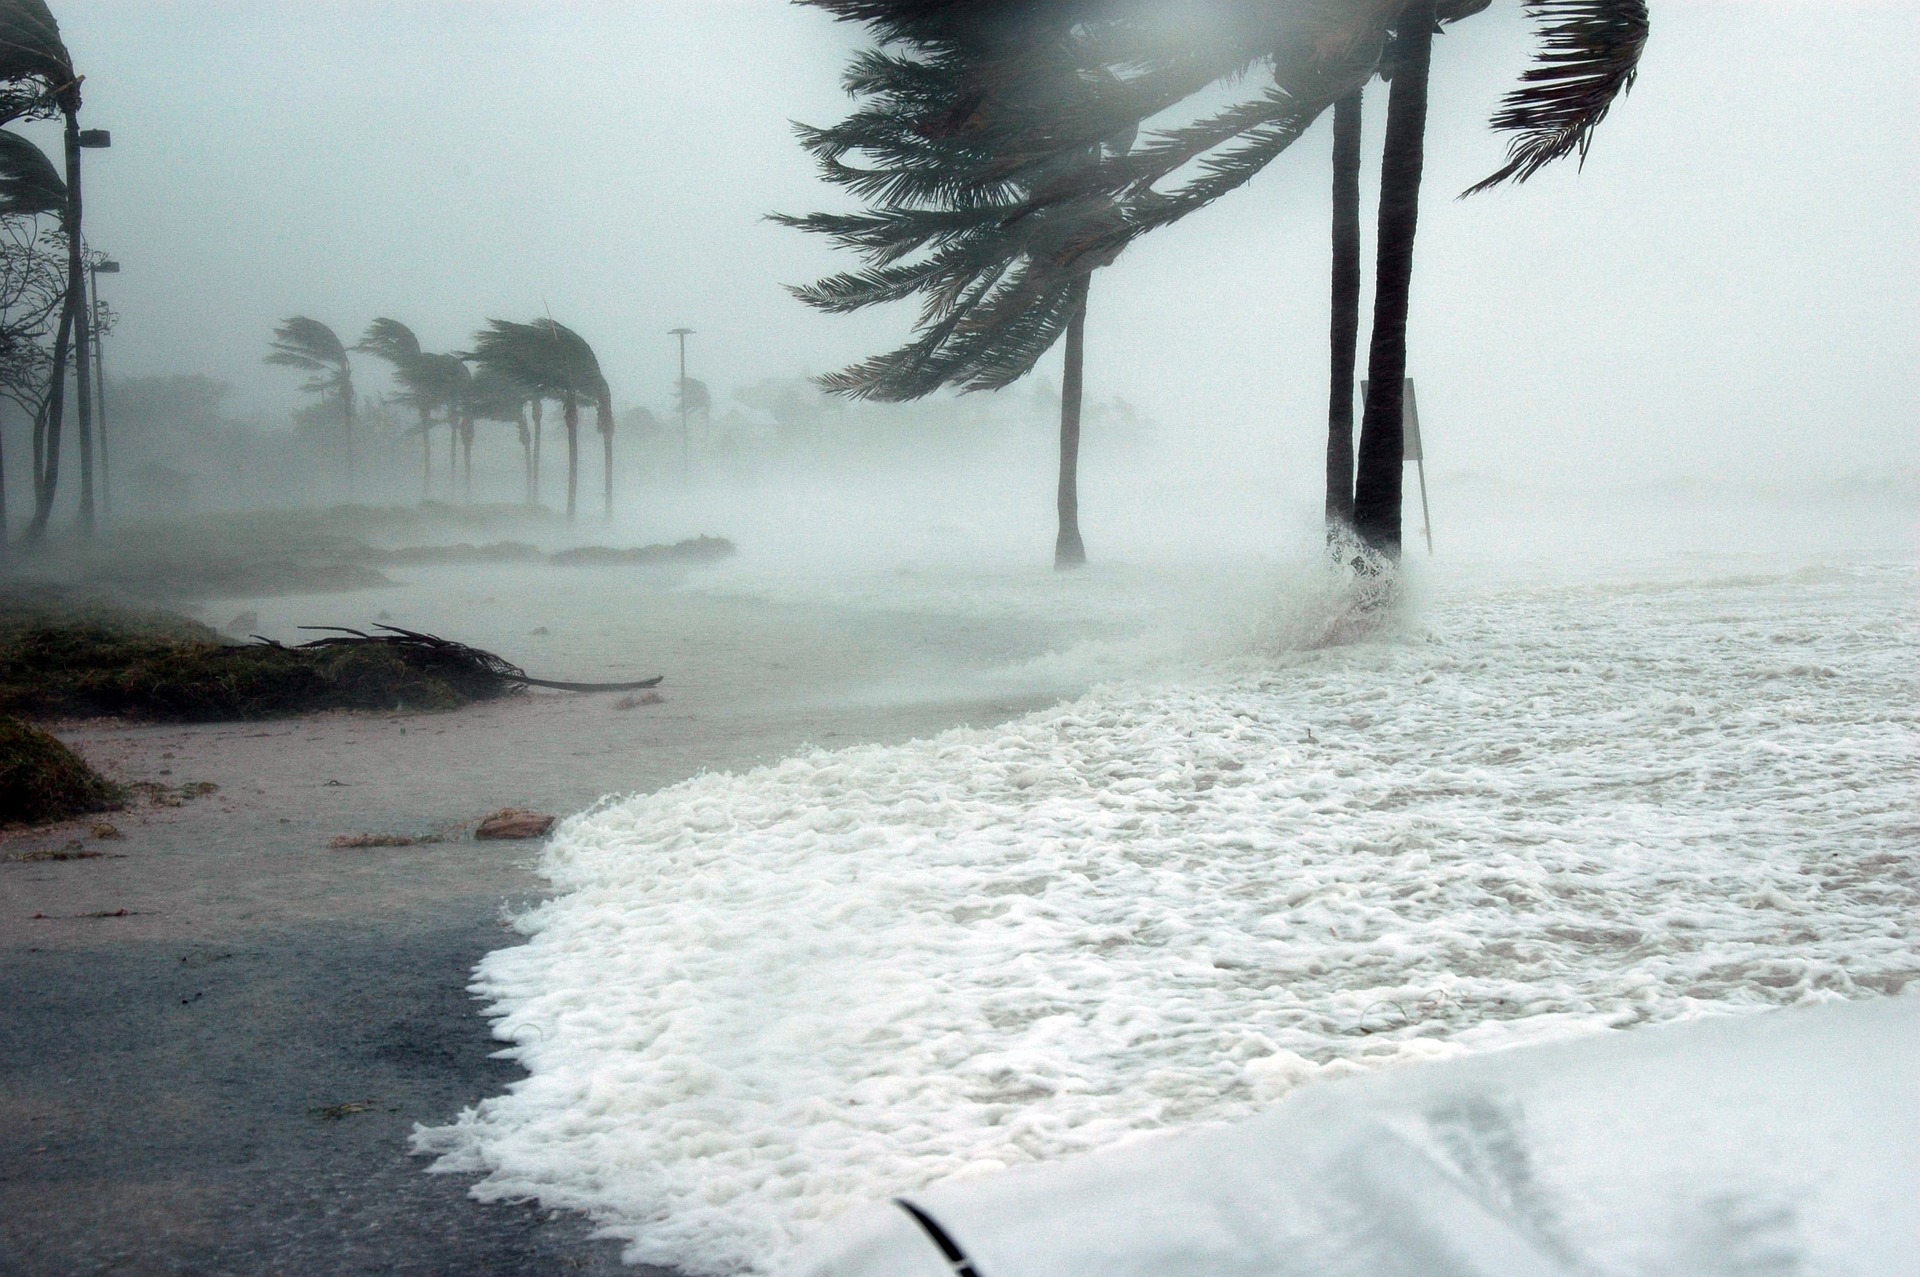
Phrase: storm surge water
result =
(1518, 811)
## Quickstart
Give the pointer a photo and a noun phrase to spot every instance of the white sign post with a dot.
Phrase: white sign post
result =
(1410, 450)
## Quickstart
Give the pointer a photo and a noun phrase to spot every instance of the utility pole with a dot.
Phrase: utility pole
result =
(686, 449)
(100, 265)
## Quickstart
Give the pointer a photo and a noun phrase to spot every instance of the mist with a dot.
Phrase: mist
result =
(1706, 306)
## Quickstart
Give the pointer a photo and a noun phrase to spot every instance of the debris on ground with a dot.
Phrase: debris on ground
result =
(635, 702)
(64, 660)
(171, 795)
(515, 822)
(334, 1112)
(42, 780)
(379, 840)
(71, 851)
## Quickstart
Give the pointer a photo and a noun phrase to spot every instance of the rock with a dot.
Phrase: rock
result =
(515, 822)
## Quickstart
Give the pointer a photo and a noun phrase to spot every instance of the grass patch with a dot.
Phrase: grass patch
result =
(42, 780)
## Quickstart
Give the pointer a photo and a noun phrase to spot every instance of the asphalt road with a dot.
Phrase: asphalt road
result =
(243, 1107)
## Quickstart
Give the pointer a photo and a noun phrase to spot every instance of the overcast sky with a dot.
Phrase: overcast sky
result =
(1731, 282)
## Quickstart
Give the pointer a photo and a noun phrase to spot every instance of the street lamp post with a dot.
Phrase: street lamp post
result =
(100, 265)
(686, 451)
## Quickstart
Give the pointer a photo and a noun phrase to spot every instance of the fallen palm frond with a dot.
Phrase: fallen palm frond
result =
(456, 660)
(80, 663)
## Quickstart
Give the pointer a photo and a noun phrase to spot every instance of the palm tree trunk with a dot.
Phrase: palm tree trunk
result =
(46, 480)
(426, 455)
(466, 461)
(1068, 550)
(603, 417)
(570, 412)
(539, 409)
(77, 302)
(346, 422)
(526, 455)
(1344, 333)
(453, 457)
(1376, 497)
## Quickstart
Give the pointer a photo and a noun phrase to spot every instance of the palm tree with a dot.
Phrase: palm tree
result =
(311, 346)
(950, 102)
(449, 384)
(556, 363)
(393, 341)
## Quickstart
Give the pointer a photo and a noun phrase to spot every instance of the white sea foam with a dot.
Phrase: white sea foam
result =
(1533, 812)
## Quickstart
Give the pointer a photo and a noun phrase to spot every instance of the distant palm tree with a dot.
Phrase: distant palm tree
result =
(311, 346)
(557, 363)
(393, 341)
(450, 383)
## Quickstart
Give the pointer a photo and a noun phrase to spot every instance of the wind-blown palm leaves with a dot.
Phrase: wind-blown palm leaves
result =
(29, 184)
(1589, 56)
(556, 363)
(37, 79)
(949, 163)
(312, 347)
(422, 381)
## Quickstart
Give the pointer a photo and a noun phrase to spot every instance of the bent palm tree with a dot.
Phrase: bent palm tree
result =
(311, 346)
(393, 341)
(956, 102)
(556, 363)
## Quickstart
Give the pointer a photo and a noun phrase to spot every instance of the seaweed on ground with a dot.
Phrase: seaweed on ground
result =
(42, 780)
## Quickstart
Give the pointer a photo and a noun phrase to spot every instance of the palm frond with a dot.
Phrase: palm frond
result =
(29, 183)
(36, 72)
(1589, 55)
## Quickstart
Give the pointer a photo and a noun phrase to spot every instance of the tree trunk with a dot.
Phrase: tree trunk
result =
(1344, 333)
(466, 461)
(603, 416)
(570, 413)
(46, 480)
(539, 409)
(1068, 550)
(453, 456)
(426, 454)
(526, 455)
(346, 422)
(77, 301)
(1376, 498)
